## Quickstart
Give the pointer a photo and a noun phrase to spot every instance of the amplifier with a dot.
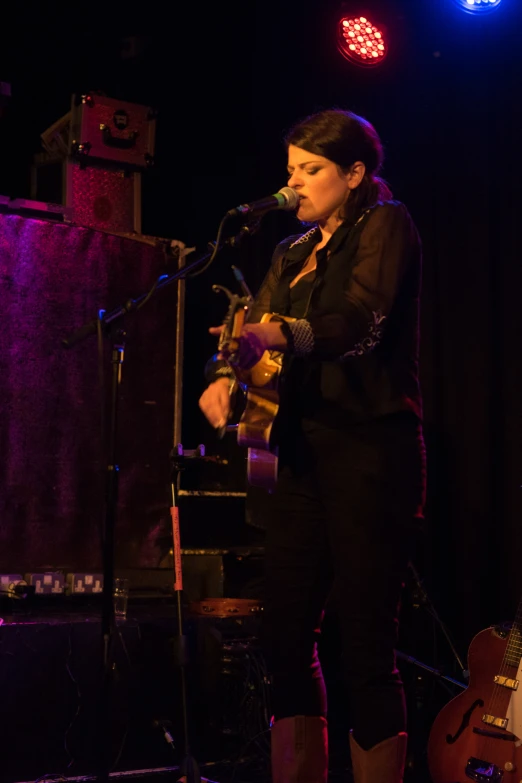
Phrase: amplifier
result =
(104, 198)
(203, 576)
(93, 195)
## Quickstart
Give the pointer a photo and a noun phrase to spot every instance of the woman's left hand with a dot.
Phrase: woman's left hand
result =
(255, 339)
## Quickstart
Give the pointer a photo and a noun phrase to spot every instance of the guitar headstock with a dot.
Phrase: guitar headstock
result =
(235, 319)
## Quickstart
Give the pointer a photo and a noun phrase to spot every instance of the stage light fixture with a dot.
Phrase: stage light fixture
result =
(360, 41)
(478, 6)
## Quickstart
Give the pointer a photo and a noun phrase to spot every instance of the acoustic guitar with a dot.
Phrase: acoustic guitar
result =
(260, 385)
(478, 734)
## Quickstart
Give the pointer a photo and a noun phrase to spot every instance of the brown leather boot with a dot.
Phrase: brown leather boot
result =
(384, 763)
(299, 747)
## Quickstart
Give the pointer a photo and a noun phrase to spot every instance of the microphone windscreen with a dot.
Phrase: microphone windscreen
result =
(291, 197)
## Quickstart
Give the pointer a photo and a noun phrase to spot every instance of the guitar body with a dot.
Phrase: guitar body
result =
(261, 387)
(261, 384)
(464, 746)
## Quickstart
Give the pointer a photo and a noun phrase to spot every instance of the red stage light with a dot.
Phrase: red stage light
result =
(360, 41)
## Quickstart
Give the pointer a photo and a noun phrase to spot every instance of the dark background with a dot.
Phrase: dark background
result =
(228, 80)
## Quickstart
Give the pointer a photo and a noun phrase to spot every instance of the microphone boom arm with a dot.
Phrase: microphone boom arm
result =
(108, 319)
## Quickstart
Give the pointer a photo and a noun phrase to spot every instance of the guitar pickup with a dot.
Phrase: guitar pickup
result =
(506, 682)
(499, 723)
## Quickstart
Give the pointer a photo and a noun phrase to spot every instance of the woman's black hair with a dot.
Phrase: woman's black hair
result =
(344, 138)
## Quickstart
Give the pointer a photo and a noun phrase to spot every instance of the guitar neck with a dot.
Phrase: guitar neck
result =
(514, 646)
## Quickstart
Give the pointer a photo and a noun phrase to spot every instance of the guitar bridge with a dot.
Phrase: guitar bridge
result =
(483, 772)
(495, 734)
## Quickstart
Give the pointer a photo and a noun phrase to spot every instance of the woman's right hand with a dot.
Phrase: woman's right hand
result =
(215, 402)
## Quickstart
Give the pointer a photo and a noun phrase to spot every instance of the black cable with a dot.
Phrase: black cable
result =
(127, 729)
(168, 253)
(78, 696)
(120, 751)
(149, 294)
(217, 247)
(244, 749)
(254, 705)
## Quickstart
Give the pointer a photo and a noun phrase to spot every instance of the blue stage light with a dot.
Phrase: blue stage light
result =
(478, 6)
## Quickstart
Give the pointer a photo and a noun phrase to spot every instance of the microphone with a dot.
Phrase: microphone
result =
(286, 198)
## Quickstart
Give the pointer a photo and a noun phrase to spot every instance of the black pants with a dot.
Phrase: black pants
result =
(345, 515)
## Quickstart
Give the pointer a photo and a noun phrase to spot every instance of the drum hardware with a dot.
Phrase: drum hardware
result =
(226, 607)
(234, 681)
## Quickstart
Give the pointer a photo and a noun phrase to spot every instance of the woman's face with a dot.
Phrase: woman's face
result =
(322, 186)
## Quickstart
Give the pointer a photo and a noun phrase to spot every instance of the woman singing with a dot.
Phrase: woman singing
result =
(350, 491)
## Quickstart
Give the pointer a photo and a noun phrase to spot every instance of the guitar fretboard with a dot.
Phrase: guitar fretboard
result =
(513, 652)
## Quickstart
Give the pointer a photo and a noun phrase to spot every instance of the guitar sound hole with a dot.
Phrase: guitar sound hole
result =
(483, 772)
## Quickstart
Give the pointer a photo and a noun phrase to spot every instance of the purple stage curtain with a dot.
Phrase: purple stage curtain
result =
(54, 277)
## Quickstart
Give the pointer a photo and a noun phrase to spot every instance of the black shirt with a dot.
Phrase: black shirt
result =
(363, 308)
(362, 305)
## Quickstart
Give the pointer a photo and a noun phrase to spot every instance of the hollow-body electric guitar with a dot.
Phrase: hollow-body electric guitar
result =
(260, 385)
(478, 734)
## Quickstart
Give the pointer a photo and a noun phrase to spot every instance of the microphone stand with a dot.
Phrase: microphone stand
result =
(430, 669)
(425, 599)
(180, 458)
(106, 324)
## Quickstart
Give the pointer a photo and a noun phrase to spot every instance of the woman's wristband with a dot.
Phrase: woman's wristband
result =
(299, 336)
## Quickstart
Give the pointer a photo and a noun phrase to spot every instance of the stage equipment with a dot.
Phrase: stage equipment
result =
(360, 41)
(179, 458)
(417, 695)
(108, 325)
(46, 583)
(478, 6)
(233, 681)
(13, 586)
(93, 162)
